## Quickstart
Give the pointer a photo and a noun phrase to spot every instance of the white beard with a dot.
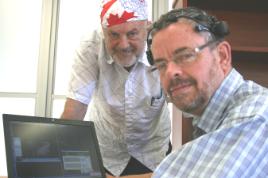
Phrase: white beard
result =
(128, 63)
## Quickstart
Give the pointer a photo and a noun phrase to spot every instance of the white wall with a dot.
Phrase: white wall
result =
(17, 18)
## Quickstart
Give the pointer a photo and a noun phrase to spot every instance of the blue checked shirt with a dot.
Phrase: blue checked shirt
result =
(231, 136)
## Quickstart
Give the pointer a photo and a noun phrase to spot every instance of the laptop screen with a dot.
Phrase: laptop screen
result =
(51, 148)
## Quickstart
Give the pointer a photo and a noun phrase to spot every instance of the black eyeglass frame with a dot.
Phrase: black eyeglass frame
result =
(196, 50)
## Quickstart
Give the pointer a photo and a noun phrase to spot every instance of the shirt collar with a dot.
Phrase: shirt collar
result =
(144, 59)
(212, 116)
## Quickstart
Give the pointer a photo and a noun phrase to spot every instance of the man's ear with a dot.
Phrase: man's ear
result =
(149, 24)
(224, 51)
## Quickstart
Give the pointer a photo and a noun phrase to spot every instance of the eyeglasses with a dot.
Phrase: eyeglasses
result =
(182, 57)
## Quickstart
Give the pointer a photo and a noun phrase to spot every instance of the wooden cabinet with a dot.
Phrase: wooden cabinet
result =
(248, 23)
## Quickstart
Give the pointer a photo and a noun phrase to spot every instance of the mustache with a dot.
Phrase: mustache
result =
(125, 50)
(180, 81)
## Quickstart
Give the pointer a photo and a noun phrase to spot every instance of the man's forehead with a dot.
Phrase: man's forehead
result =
(177, 36)
(178, 30)
(128, 26)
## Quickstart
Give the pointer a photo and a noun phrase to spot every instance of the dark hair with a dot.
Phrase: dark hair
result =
(203, 23)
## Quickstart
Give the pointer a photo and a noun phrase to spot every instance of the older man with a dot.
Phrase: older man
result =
(127, 106)
(230, 114)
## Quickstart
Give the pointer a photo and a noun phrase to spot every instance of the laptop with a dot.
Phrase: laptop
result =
(39, 147)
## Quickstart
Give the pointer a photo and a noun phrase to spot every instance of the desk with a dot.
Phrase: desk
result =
(132, 176)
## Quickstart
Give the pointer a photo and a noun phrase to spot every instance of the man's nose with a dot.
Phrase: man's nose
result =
(123, 42)
(173, 70)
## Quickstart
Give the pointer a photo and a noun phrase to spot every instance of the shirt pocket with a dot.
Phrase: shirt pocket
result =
(156, 101)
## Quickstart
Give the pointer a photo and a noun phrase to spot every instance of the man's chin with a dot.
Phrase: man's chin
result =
(182, 102)
(185, 107)
(126, 64)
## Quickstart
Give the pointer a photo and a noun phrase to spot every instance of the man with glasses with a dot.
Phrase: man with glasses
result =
(229, 114)
(111, 78)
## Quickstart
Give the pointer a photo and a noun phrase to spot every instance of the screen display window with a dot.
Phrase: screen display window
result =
(53, 150)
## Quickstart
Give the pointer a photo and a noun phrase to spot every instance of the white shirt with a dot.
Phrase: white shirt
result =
(128, 108)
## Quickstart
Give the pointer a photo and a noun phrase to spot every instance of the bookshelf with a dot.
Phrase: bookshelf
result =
(248, 24)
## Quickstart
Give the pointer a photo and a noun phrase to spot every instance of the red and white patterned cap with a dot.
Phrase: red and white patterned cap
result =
(115, 12)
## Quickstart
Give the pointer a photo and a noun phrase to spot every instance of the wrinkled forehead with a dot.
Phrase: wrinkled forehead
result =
(181, 31)
(177, 36)
(127, 27)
